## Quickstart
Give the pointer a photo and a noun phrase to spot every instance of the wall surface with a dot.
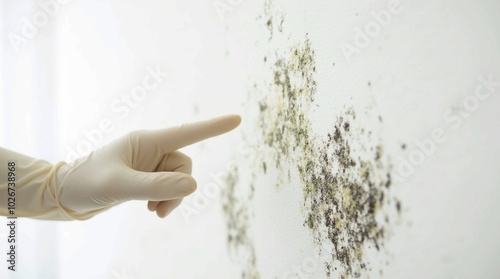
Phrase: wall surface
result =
(368, 147)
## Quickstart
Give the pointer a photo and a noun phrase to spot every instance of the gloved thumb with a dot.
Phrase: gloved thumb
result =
(154, 186)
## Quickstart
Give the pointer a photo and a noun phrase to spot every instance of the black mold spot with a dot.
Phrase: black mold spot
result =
(343, 193)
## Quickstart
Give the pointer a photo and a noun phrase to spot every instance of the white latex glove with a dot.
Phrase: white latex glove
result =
(143, 165)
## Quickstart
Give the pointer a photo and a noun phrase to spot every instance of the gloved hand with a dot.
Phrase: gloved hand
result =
(143, 165)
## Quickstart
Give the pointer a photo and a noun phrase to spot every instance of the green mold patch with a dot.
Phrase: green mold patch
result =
(345, 175)
(292, 93)
(236, 205)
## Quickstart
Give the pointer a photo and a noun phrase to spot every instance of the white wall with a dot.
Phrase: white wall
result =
(427, 60)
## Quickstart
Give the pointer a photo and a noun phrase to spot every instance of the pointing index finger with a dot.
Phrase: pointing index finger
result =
(171, 139)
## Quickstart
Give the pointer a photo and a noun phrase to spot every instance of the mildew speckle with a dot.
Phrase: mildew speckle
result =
(274, 21)
(345, 173)
(291, 96)
(236, 206)
(344, 190)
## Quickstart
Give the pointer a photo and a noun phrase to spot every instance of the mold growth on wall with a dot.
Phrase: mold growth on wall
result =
(292, 94)
(273, 20)
(345, 176)
(236, 203)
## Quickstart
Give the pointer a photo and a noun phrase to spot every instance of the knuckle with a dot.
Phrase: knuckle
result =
(188, 161)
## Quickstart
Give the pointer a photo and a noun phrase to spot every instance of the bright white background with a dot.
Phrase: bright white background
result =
(64, 81)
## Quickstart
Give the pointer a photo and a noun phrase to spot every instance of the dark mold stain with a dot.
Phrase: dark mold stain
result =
(236, 208)
(345, 175)
(343, 192)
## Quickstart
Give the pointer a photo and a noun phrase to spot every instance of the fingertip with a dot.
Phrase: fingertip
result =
(187, 185)
(161, 215)
(235, 119)
(232, 121)
(152, 205)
